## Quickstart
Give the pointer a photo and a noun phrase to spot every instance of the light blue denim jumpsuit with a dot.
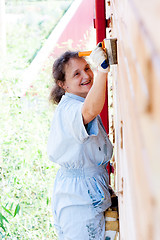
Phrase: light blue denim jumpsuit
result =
(80, 194)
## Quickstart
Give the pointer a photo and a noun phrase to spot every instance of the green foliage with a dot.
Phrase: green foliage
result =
(26, 174)
(3, 218)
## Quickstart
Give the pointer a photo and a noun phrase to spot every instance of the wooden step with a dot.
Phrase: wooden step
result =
(112, 219)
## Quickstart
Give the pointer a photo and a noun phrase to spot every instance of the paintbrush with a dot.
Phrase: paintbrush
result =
(110, 46)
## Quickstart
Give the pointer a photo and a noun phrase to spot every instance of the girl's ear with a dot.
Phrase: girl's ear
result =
(60, 84)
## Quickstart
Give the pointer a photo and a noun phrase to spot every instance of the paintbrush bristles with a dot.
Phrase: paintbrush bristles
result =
(114, 50)
(111, 49)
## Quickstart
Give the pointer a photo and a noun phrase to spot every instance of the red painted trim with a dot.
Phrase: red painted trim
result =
(100, 23)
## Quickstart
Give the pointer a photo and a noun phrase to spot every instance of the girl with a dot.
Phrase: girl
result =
(79, 144)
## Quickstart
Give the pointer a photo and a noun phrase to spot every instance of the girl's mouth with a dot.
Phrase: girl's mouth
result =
(85, 83)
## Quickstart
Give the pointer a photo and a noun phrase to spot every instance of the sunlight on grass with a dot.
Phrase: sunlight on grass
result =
(26, 174)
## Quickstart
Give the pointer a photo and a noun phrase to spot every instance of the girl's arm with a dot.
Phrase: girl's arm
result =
(95, 99)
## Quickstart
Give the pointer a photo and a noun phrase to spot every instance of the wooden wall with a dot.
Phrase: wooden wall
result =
(136, 105)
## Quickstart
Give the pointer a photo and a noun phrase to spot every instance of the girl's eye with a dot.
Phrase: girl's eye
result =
(76, 74)
(87, 68)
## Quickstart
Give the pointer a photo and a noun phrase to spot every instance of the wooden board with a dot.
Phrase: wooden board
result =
(136, 102)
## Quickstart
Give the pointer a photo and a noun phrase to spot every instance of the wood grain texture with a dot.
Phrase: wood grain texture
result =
(136, 103)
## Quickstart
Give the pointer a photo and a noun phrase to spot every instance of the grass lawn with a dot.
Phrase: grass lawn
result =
(26, 174)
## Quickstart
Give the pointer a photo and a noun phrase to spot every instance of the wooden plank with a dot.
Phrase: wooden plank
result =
(136, 106)
(148, 58)
(147, 13)
(144, 61)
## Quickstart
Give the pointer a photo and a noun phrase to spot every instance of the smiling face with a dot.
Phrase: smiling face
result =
(78, 77)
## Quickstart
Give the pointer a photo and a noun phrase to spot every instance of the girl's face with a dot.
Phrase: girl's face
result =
(79, 77)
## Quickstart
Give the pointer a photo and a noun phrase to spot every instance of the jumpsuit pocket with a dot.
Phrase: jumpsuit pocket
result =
(97, 192)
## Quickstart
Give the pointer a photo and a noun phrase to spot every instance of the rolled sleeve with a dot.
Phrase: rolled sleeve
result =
(73, 114)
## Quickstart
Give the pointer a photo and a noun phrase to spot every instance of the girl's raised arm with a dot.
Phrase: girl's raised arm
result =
(95, 99)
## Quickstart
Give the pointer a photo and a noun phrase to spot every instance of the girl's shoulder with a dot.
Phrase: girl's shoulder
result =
(68, 103)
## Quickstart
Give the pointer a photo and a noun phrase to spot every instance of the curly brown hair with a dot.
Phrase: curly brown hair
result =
(58, 72)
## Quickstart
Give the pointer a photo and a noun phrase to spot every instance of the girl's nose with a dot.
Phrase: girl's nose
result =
(85, 75)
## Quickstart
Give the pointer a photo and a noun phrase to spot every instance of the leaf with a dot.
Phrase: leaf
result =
(15, 178)
(7, 210)
(16, 210)
(40, 153)
(6, 205)
(11, 206)
(3, 218)
(1, 225)
(47, 200)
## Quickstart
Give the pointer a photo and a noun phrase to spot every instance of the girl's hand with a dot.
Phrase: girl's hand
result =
(99, 58)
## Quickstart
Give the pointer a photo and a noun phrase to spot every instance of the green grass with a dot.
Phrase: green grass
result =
(26, 174)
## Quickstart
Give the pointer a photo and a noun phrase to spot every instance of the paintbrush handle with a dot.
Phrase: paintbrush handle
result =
(84, 54)
(87, 53)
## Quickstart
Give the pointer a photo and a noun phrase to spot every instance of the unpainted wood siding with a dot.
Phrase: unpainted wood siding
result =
(136, 105)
